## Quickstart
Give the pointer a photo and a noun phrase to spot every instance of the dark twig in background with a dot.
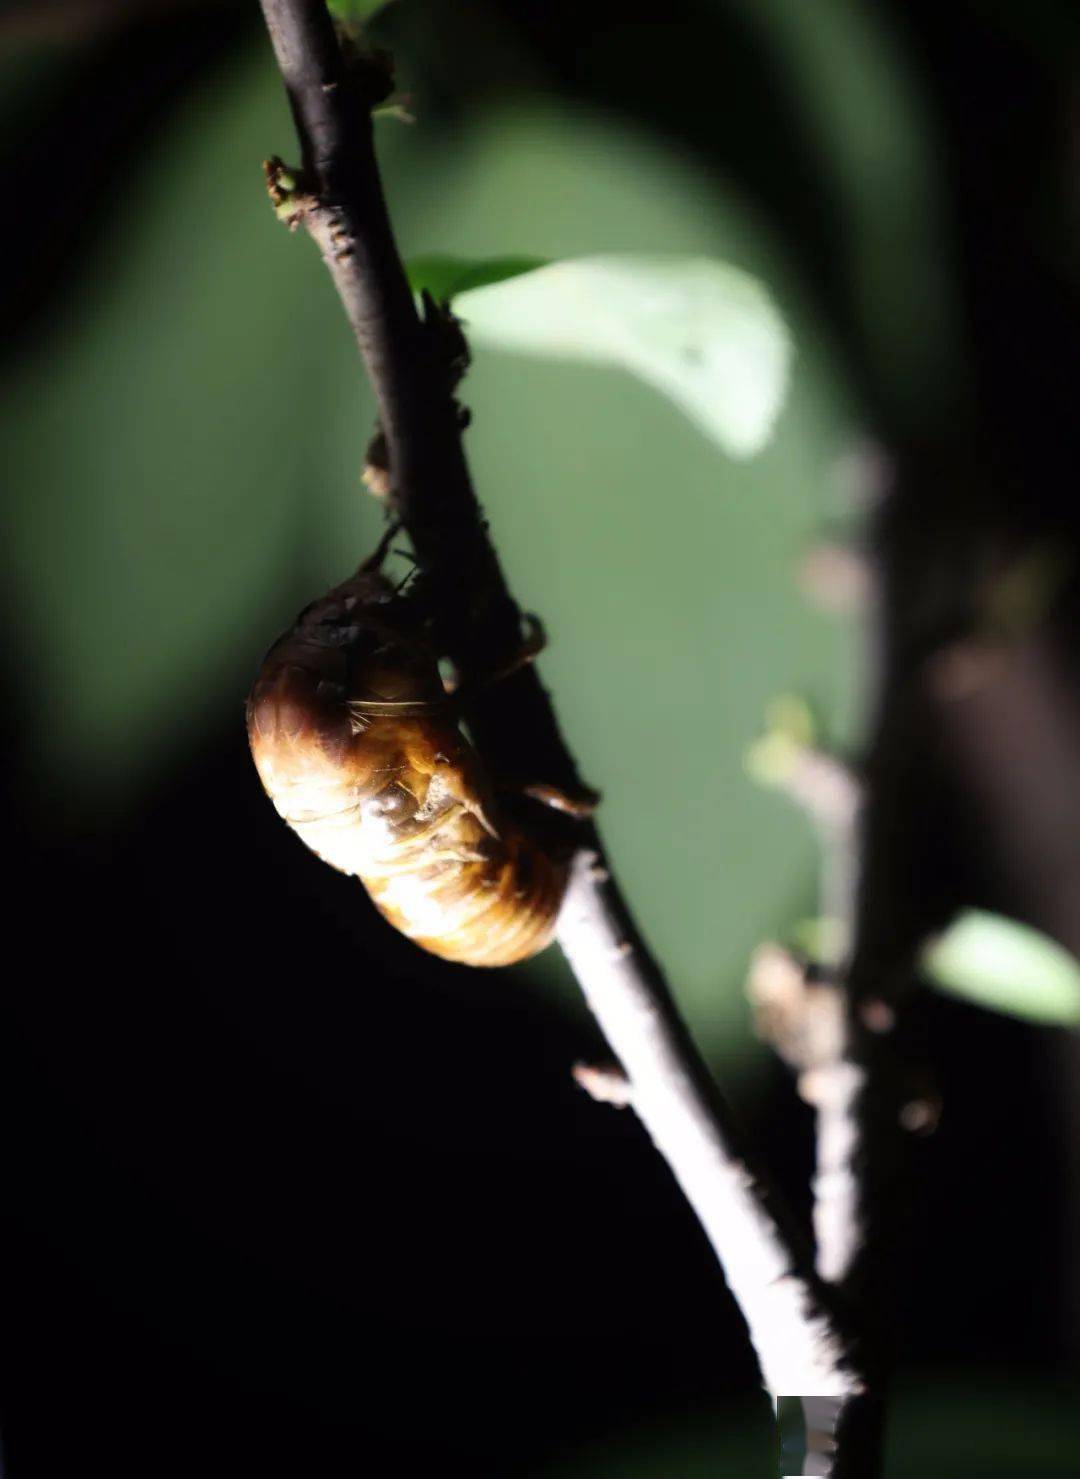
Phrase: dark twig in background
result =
(411, 361)
(802, 1008)
(800, 1004)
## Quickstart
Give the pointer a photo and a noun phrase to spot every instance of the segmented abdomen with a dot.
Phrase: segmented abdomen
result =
(349, 732)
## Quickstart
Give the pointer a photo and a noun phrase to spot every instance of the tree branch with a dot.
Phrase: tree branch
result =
(342, 205)
(799, 1345)
(793, 1323)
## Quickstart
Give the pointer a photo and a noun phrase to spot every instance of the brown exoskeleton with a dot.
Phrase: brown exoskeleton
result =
(359, 748)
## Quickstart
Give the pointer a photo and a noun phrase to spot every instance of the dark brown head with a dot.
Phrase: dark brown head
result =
(361, 644)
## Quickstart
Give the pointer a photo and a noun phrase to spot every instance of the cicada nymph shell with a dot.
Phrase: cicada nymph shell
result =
(360, 752)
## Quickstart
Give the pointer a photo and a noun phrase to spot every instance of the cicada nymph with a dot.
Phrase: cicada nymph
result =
(360, 750)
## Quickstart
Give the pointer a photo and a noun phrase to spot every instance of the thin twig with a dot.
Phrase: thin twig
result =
(820, 1047)
(604, 1082)
(805, 1021)
(829, 793)
(808, 1020)
(792, 1322)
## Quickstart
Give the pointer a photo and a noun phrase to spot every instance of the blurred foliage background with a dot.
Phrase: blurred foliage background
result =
(283, 1194)
(197, 422)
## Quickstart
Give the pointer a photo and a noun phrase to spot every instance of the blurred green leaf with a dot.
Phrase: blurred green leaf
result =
(355, 12)
(1006, 966)
(444, 276)
(702, 332)
(858, 106)
(820, 938)
(789, 730)
(182, 449)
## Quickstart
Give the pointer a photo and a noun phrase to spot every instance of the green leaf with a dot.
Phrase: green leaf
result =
(1007, 967)
(789, 730)
(821, 938)
(181, 462)
(354, 12)
(444, 277)
(704, 333)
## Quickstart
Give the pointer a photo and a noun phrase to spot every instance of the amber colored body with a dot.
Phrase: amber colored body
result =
(354, 741)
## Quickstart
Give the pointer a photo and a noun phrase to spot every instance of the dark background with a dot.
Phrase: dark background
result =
(282, 1195)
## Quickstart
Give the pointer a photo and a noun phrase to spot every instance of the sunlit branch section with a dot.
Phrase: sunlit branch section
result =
(768, 1271)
